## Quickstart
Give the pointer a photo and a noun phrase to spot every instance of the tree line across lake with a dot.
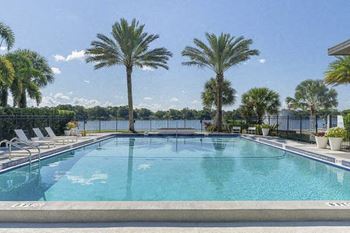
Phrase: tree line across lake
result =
(122, 113)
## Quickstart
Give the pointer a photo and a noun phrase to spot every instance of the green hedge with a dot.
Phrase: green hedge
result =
(29, 118)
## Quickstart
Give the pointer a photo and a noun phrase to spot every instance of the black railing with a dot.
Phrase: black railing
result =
(290, 127)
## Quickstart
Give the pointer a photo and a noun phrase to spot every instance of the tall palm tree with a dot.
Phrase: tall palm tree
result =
(312, 96)
(259, 101)
(127, 46)
(7, 37)
(220, 54)
(209, 93)
(338, 71)
(32, 72)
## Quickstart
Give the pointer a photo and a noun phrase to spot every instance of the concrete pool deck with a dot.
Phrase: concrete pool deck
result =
(338, 158)
(21, 157)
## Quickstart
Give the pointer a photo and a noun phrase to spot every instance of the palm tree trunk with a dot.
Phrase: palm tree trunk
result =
(3, 97)
(23, 100)
(312, 121)
(130, 102)
(218, 116)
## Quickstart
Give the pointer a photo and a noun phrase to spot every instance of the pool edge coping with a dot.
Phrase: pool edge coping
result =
(174, 211)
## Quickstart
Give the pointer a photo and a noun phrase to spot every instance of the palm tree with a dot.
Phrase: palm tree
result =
(6, 69)
(32, 72)
(128, 46)
(312, 96)
(258, 102)
(7, 74)
(6, 36)
(338, 71)
(220, 54)
(209, 93)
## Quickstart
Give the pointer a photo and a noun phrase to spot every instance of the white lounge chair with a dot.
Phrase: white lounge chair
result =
(22, 138)
(251, 130)
(41, 136)
(53, 135)
(236, 129)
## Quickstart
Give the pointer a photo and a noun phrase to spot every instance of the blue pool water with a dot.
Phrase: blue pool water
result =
(153, 169)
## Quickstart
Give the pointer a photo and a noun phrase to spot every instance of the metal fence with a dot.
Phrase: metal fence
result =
(27, 122)
(140, 125)
(291, 127)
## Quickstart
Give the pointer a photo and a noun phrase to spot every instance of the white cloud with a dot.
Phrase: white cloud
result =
(147, 68)
(195, 102)
(147, 98)
(60, 98)
(262, 60)
(174, 99)
(86, 81)
(2, 48)
(151, 106)
(74, 55)
(59, 57)
(56, 70)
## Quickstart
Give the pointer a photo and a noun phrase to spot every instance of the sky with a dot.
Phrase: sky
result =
(292, 37)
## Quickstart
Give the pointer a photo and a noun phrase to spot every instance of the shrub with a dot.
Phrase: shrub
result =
(347, 124)
(265, 126)
(336, 133)
(320, 134)
(29, 118)
(212, 128)
(71, 125)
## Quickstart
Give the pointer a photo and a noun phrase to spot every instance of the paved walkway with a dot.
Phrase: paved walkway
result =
(339, 156)
(273, 227)
(22, 156)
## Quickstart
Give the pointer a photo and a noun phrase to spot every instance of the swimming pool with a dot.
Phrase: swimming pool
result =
(176, 169)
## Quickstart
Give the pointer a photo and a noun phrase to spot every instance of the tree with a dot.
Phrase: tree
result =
(32, 72)
(312, 96)
(7, 72)
(6, 36)
(128, 46)
(209, 94)
(338, 71)
(220, 54)
(144, 113)
(259, 101)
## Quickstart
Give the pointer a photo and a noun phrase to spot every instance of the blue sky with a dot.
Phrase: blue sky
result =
(292, 36)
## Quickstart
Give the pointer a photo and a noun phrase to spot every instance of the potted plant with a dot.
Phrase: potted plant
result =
(336, 136)
(321, 140)
(265, 128)
(69, 126)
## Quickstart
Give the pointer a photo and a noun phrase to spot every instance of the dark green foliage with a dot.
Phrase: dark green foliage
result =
(259, 101)
(28, 118)
(210, 92)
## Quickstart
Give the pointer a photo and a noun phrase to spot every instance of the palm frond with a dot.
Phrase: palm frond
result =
(7, 36)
